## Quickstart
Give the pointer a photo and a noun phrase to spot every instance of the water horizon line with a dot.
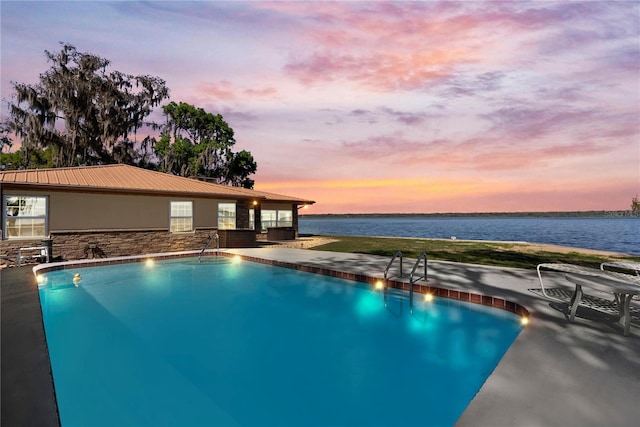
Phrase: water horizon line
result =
(568, 214)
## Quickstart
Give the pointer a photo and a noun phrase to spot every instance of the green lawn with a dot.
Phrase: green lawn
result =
(485, 253)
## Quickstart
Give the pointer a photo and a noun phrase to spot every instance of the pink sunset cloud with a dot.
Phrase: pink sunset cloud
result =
(223, 90)
(386, 106)
(382, 71)
(477, 154)
(226, 91)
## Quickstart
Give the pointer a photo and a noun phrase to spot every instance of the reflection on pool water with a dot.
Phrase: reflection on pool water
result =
(222, 343)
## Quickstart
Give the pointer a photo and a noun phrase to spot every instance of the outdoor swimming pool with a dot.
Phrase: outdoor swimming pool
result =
(180, 343)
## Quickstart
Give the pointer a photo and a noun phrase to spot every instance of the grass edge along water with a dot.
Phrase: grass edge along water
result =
(499, 254)
(610, 234)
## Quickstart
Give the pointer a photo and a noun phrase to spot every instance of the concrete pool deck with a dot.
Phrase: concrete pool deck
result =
(556, 373)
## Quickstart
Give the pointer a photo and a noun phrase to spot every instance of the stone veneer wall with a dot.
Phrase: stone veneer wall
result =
(9, 248)
(102, 244)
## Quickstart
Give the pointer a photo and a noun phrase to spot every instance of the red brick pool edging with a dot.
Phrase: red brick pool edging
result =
(480, 299)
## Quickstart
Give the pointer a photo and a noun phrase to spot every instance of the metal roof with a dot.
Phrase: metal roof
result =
(131, 179)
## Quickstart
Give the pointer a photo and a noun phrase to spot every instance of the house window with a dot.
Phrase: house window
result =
(252, 219)
(181, 219)
(268, 218)
(285, 219)
(276, 218)
(25, 216)
(226, 216)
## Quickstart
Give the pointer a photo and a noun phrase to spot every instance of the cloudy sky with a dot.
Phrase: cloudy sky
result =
(385, 106)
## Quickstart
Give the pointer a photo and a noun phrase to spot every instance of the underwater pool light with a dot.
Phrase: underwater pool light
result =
(428, 297)
(237, 259)
(379, 285)
(524, 321)
(149, 262)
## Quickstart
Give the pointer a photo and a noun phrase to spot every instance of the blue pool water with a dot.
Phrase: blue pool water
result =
(220, 343)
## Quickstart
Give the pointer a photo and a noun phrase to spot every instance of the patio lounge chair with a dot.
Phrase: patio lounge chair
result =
(622, 265)
(623, 286)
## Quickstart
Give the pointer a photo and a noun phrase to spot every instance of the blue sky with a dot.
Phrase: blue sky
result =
(385, 106)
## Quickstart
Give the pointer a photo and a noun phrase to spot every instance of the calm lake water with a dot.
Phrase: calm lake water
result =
(608, 234)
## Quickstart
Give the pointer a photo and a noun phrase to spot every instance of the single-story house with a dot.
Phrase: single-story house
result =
(120, 210)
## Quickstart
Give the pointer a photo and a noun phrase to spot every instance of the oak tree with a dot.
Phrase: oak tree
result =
(199, 144)
(83, 112)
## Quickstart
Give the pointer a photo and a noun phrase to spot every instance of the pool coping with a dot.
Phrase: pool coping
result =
(436, 291)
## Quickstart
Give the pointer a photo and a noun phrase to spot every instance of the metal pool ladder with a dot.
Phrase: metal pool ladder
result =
(213, 236)
(397, 254)
(422, 256)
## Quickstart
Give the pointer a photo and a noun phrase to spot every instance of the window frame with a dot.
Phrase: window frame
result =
(180, 217)
(231, 218)
(275, 219)
(272, 221)
(288, 221)
(5, 217)
(252, 219)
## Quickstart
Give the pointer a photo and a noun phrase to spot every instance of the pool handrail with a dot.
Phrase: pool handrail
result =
(423, 255)
(396, 254)
(211, 237)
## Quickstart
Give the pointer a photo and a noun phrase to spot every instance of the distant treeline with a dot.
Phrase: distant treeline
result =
(577, 214)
